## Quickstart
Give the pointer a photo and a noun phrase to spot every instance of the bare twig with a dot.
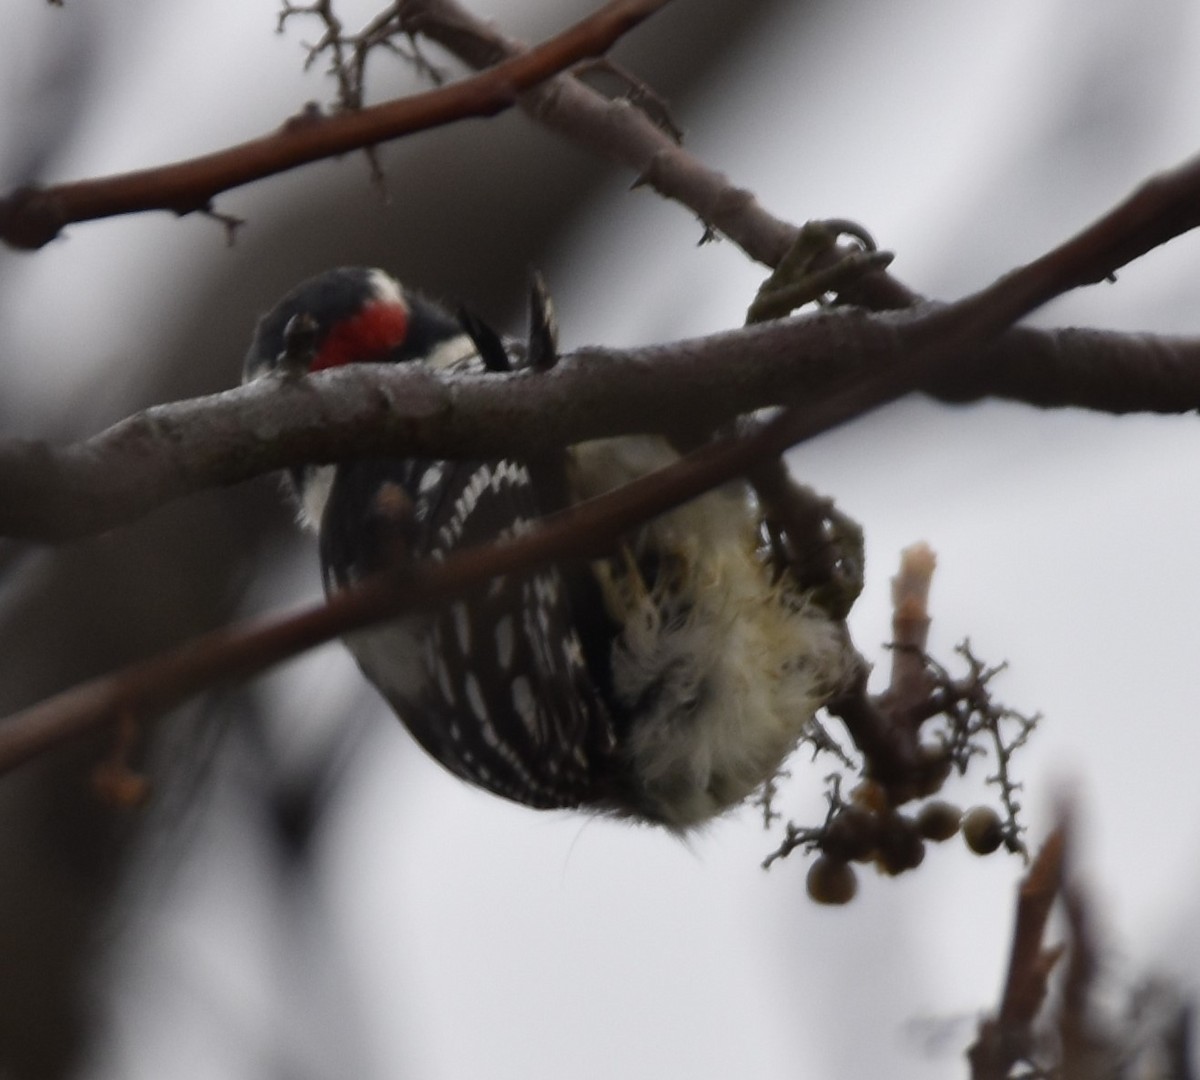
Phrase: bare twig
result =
(1007, 1038)
(615, 129)
(31, 217)
(1084, 1050)
(635, 91)
(1079, 1036)
(348, 53)
(910, 681)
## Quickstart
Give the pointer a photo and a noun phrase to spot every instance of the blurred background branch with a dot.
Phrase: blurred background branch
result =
(31, 217)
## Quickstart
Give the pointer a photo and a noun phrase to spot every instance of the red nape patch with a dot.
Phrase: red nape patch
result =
(369, 335)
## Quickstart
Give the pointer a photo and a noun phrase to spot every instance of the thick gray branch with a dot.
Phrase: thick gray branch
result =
(53, 493)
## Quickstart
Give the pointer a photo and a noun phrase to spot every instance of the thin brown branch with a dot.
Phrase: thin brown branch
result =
(1082, 1043)
(910, 682)
(886, 727)
(621, 132)
(31, 217)
(1007, 1038)
(1162, 208)
(890, 751)
(1031, 959)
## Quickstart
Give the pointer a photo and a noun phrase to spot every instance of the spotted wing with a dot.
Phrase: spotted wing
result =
(496, 686)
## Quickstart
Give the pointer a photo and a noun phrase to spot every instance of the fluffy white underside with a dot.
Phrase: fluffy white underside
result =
(735, 675)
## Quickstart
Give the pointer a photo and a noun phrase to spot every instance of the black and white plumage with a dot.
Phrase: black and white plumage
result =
(667, 682)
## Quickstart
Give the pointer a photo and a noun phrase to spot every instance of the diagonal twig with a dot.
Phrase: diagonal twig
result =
(1007, 1038)
(32, 217)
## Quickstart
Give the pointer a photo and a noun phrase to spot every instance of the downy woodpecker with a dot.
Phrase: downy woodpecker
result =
(667, 682)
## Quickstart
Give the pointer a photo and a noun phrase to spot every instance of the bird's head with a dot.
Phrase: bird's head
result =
(352, 315)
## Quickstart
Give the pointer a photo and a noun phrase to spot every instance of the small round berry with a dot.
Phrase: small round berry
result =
(831, 881)
(939, 820)
(852, 836)
(900, 845)
(870, 795)
(982, 830)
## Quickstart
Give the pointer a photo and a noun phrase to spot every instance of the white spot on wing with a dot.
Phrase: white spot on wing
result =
(522, 698)
(478, 705)
(572, 651)
(462, 627)
(545, 590)
(467, 501)
(430, 479)
(510, 472)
